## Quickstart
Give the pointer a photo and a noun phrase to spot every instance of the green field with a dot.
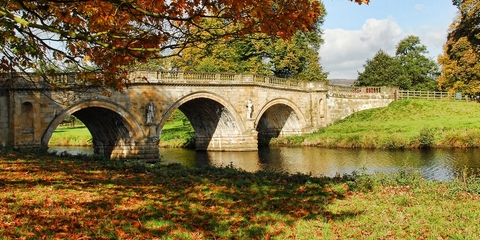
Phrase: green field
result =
(177, 134)
(61, 197)
(71, 136)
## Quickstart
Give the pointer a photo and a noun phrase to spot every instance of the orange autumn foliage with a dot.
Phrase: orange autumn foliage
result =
(460, 61)
(361, 1)
(111, 35)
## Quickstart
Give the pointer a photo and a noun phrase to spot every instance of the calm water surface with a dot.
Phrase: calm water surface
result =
(434, 164)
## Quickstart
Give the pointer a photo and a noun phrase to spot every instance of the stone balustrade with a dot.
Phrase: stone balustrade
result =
(19, 80)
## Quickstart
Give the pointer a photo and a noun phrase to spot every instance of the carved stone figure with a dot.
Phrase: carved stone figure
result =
(150, 112)
(249, 109)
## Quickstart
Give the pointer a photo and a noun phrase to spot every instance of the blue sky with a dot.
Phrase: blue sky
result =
(354, 33)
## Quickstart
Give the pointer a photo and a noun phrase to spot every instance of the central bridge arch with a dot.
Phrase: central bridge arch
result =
(216, 123)
(278, 118)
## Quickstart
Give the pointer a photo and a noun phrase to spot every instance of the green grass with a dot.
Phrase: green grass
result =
(177, 134)
(71, 136)
(62, 197)
(403, 124)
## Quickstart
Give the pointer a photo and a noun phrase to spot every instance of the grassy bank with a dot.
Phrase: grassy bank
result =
(61, 197)
(177, 134)
(403, 124)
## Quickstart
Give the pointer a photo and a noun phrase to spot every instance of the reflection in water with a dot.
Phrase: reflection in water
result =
(73, 150)
(437, 164)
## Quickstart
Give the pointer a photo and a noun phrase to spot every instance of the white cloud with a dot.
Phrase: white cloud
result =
(434, 38)
(345, 51)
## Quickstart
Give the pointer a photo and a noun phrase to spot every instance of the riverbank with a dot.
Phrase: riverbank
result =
(402, 124)
(51, 197)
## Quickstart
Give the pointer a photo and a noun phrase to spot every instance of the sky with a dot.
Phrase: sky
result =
(355, 33)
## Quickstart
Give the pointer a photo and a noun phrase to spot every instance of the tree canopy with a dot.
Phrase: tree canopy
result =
(422, 72)
(112, 34)
(460, 60)
(383, 70)
(293, 58)
(409, 69)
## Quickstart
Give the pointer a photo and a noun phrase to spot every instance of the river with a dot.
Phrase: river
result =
(433, 164)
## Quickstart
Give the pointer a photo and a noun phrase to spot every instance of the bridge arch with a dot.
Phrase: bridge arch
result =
(279, 117)
(114, 130)
(216, 123)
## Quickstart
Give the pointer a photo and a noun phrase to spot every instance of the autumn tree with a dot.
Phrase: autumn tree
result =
(112, 34)
(460, 61)
(294, 58)
(298, 57)
(237, 55)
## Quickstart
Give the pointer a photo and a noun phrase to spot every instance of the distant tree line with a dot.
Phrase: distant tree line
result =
(409, 69)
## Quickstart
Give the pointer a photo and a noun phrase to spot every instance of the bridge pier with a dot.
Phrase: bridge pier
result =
(147, 151)
(244, 142)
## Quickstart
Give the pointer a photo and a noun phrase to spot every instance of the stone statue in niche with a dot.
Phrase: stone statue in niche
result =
(150, 112)
(249, 109)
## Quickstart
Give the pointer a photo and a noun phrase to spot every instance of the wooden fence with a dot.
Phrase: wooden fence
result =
(428, 95)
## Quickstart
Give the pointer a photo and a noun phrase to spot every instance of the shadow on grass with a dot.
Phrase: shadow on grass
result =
(52, 196)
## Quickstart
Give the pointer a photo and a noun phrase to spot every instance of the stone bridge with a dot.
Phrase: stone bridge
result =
(229, 112)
